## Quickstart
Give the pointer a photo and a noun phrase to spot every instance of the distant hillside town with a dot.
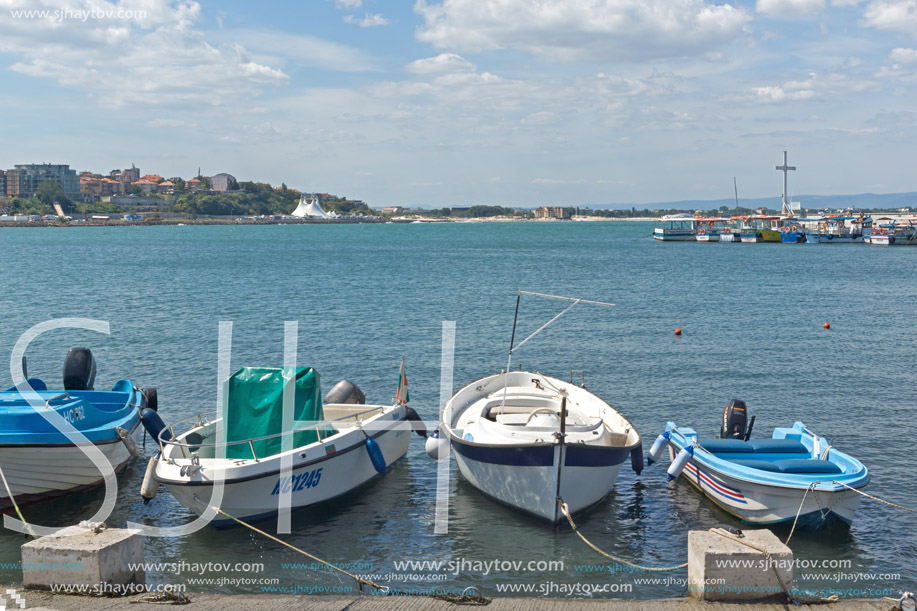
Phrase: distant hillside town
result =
(34, 189)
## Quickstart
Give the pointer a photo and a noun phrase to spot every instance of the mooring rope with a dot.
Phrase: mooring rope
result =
(566, 512)
(458, 599)
(866, 494)
(15, 505)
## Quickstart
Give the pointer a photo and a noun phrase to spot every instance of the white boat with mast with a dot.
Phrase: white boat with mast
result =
(532, 441)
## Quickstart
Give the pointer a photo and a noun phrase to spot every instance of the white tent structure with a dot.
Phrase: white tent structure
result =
(310, 209)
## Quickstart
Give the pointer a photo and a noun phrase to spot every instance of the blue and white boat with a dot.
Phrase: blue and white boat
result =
(526, 439)
(532, 441)
(840, 230)
(766, 481)
(39, 460)
(676, 228)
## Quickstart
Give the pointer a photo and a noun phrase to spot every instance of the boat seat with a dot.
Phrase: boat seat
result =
(493, 411)
(799, 466)
(722, 446)
(778, 446)
(762, 465)
(755, 446)
(810, 465)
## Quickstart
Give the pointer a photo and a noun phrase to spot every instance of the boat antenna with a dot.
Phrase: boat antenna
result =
(513, 348)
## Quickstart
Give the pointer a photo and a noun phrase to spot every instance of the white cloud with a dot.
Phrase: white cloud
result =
(158, 58)
(779, 94)
(442, 63)
(789, 9)
(846, 2)
(170, 123)
(348, 4)
(575, 29)
(894, 15)
(368, 21)
(539, 118)
(903, 56)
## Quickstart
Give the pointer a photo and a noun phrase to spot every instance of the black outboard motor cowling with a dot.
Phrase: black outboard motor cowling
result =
(79, 369)
(735, 420)
(345, 392)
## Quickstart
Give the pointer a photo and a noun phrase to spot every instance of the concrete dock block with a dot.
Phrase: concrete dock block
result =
(80, 557)
(721, 569)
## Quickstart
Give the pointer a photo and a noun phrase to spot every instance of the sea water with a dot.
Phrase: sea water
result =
(752, 317)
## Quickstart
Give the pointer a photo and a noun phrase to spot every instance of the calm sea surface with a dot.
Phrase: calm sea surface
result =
(365, 295)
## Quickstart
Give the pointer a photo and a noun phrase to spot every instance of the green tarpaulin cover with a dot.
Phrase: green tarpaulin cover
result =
(253, 407)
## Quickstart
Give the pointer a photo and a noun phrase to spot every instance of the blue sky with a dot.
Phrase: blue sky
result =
(452, 102)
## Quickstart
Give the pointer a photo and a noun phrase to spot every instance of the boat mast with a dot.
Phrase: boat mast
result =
(735, 186)
(786, 204)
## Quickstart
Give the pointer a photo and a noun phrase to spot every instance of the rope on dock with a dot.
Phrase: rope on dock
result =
(566, 512)
(458, 599)
(15, 505)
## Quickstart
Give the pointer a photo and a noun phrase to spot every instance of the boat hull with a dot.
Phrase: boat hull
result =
(763, 504)
(526, 478)
(39, 472)
(674, 235)
(821, 238)
(341, 464)
(888, 239)
(708, 237)
(728, 237)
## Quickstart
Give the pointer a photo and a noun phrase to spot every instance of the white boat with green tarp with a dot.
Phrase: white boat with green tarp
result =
(248, 459)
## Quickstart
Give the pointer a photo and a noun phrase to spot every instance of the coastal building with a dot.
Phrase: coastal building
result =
(393, 210)
(2, 185)
(223, 182)
(23, 179)
(553, 212)
(458, 211)
(194, 184)
(147, 185)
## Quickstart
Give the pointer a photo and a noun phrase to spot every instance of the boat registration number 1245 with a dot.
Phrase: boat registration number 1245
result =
(295, 483)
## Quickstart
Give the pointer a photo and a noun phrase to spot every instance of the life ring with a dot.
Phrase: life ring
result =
(792, 227)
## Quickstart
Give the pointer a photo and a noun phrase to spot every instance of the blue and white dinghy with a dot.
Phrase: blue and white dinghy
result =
(38, 459)
(530, 441)
(793, 474)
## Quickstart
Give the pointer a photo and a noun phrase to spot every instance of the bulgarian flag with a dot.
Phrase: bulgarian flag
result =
(401, 395)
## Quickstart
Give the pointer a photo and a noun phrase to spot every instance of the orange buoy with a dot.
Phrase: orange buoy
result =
(827, 325)
(678, 331)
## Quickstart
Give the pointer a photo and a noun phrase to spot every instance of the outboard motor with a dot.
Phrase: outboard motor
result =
(735, 420)
(79, 369)
(345, 392)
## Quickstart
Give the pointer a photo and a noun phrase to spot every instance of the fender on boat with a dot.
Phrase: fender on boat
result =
(658, 446)
(416, 423)
(375, 455)
(636, 459)
(679, 463)
(153, 424)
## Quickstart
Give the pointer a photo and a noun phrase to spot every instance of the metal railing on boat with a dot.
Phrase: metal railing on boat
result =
(251, 441)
